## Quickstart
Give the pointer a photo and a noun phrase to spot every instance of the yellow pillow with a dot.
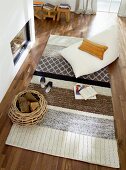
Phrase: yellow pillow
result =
(93, 48)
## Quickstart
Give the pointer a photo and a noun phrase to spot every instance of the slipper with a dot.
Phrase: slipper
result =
(48, 86)
(42, 82)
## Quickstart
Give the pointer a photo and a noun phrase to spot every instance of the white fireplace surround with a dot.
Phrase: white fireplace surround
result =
(13, 16)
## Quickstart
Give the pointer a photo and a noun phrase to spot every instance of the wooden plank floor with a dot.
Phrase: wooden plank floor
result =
(12, 158)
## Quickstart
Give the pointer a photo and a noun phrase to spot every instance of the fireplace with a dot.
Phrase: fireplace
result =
(20, 42)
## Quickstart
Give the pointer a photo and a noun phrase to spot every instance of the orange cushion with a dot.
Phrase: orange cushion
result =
(38, 3)
(93, 48)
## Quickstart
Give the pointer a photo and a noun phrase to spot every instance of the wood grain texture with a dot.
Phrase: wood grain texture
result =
(79, 26)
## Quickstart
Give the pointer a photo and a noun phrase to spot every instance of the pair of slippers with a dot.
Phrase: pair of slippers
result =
(43, 84)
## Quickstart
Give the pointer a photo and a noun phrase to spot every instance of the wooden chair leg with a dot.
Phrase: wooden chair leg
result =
(54, 18)
(58, 16)
(68, 17)
(66, 14)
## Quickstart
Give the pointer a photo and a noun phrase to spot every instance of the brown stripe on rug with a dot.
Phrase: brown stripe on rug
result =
(65, 98)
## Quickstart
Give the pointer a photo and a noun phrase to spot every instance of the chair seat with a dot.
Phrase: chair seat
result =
(49, 13)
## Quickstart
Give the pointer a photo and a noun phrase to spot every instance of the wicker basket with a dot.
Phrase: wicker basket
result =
(28, 118)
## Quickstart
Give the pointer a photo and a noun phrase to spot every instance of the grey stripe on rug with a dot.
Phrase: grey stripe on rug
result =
(60, 140)
(79, 123)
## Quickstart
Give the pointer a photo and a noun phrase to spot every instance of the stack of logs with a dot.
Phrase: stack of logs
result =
(27, 103)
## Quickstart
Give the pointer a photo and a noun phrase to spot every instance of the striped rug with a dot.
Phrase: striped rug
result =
(76, 129)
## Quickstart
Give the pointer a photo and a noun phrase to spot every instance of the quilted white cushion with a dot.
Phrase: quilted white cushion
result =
(84, 63)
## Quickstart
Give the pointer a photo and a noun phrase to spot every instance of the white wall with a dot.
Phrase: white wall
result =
(122, 9)
(13, 16)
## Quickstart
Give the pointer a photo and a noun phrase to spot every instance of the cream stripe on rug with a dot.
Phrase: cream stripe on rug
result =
(63, 40)
(80, 112)
(65, 144)
(55, 141)
(70, 85)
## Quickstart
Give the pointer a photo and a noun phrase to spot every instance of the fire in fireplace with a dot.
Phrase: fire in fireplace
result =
(20, 42)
